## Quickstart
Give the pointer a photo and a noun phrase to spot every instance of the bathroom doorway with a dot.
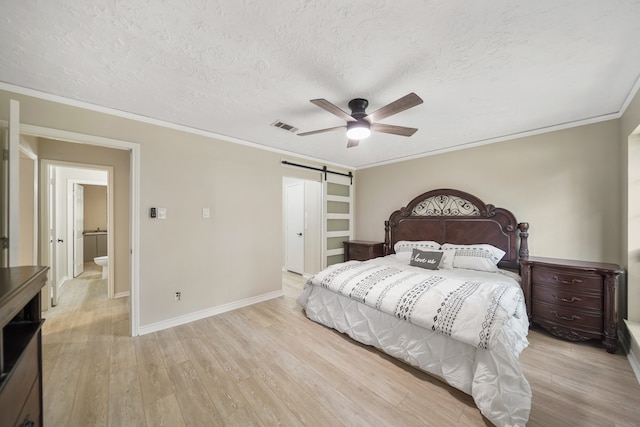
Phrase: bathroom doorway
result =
(75, 222)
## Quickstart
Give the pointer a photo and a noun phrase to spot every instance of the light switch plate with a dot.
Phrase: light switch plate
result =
(162, 213)
(206, 213)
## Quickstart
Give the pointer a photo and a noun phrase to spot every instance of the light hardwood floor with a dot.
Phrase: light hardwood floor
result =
(268, 365)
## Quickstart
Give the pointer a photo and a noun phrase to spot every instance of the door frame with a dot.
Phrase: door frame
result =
(28, 154)
(134, 196)
(312, 223)
(50, 210)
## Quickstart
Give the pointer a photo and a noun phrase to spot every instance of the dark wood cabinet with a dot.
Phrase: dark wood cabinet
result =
(21, 346)
(362, 250)
(574, 300)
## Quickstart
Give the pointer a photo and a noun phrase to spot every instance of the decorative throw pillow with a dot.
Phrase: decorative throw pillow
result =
(409, 245)
(482, 257)
(426, 259)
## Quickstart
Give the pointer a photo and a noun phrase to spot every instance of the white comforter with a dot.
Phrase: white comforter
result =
(469, 327)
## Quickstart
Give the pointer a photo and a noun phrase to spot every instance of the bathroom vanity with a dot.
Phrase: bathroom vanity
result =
(95, 244)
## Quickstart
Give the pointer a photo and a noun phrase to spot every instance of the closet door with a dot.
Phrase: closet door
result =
(337, 221)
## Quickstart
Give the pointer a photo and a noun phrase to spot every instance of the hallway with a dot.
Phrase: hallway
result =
(84, 338)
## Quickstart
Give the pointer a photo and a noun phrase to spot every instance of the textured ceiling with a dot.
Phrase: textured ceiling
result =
(485, 69)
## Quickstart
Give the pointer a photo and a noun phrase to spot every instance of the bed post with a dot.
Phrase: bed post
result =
(525, 267)
(386, 250)
(524, 240)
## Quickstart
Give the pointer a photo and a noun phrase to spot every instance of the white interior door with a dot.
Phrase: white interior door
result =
(78, 229)
(51, 227)
(4, 197)
(10, 192)
(294, 227)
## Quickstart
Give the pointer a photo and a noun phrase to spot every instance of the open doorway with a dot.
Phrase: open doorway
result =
(79, 215)
(302, 212)
(301, 233)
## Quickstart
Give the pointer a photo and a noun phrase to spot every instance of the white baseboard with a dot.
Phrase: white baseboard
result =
(635, 365)
(122, 294)
(191, 317)
(634, 347)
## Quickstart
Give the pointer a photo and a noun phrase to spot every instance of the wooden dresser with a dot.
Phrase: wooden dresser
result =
(21, 346)
(574, 300)
(362, 250)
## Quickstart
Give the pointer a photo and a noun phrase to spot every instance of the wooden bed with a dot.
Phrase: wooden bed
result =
(487, 370)
(453, 216)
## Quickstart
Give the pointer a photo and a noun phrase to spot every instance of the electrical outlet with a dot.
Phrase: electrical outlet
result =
(177, 296)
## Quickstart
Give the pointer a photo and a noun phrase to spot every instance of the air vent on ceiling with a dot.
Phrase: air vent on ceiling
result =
(284, 126)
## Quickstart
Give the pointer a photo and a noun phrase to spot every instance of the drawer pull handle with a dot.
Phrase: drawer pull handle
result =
(567, 282)
(573, 317)
(573, 299)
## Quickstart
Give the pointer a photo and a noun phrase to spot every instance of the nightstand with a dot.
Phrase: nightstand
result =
(362, 250)
(574, 300)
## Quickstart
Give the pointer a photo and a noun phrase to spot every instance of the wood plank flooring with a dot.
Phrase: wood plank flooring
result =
(268, 365)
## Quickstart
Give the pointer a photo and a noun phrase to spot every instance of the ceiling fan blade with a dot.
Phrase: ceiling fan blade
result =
(395, 107)
(353, 143)
(396, 130)
(313, 132)
(326, 105)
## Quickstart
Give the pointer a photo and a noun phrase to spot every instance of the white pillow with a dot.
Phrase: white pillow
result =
(410, 245)
(482, 257)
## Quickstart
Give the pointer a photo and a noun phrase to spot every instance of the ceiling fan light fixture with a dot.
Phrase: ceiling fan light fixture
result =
(358, 130)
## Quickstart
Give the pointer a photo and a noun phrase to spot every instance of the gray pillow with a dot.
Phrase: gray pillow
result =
(425, 259)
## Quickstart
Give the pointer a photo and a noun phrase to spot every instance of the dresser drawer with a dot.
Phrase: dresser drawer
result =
(567, 298)
(569, 318)
(359, 253)
(19, 385)
(567, 279)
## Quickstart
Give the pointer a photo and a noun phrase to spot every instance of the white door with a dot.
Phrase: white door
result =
(10, 201)
(51, 226)
(78, 229)
(61, 211)
(294, 227)
(4, 197)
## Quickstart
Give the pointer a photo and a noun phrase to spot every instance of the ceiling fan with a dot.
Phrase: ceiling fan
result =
(360, 124)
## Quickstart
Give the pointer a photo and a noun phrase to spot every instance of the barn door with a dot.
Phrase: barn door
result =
(337, 221)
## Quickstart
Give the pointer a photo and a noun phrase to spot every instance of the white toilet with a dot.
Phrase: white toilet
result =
(103, 261)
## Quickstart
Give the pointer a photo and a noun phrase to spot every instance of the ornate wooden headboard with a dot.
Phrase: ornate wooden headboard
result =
(453, 216)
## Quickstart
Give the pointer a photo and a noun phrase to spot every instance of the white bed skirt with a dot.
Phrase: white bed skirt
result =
(493, 378)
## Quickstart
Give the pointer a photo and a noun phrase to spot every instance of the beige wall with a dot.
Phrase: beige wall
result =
(236, 254)
(564, 183)
(95, 207)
